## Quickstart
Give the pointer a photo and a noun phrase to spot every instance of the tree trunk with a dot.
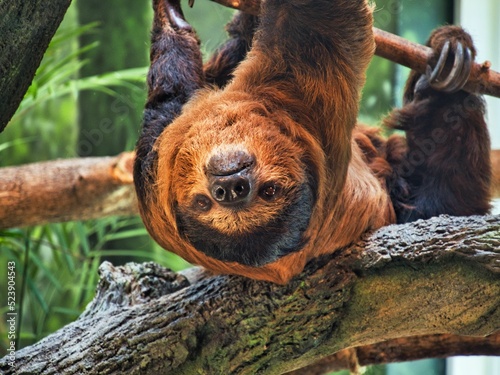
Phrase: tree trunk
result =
(26, 28)
(63, 190)
(437, 277)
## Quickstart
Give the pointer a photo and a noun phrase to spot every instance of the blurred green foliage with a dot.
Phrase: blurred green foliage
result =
(123, 37)
(93, 76)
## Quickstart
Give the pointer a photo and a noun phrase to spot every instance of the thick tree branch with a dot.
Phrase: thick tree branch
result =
(401, 51)
(63, 190)
(435, 277)
(26, 28)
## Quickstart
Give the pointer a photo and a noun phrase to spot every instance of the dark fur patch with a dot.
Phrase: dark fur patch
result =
(265, 244)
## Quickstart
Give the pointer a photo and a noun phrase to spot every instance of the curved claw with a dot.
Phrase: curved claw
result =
(459, 73)
(433, 75)
(175, 15)
(191, 3)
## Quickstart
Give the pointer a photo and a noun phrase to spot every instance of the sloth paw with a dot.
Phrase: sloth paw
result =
(452, 69)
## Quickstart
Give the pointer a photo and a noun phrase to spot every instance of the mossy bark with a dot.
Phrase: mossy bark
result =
(26, 28)
(435, 277)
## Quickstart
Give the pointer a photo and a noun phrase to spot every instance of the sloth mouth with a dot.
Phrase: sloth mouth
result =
(264, 244)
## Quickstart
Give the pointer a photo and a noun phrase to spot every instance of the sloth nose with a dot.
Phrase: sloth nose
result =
(231, 190)
(230, 177)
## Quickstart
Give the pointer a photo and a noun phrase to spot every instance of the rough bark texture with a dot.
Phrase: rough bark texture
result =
(401, 51)
(62, 190)
(26, 28)
(435, 277)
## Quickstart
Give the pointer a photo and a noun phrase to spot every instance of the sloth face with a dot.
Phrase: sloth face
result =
(241, 187)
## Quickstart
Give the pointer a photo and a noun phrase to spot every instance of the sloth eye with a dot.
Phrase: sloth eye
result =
(269, 191)
(202, 203)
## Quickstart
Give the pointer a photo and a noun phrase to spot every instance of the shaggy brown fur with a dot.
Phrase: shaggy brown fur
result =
(280, 135)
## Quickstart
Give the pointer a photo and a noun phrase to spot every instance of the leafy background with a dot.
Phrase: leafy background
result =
(86, 100)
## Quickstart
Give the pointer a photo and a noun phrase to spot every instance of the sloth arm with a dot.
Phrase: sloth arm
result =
(177, 72)
(220, 67)
(309, 60)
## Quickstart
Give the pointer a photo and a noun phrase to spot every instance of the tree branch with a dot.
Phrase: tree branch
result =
(401, 51)
(406, 349)
(436, 277)
(63, 190)
(495, 163)
(26, 28)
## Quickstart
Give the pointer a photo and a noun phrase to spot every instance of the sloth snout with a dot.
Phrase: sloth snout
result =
(231, 190)
(230, 177)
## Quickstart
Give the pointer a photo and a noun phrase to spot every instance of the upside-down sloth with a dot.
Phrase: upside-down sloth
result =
(253, 164)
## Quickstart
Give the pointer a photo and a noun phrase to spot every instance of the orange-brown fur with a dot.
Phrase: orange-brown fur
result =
(298, 121)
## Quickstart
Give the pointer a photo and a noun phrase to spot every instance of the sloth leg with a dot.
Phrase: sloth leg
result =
(445, 168)
(219, 69)
(175, 73)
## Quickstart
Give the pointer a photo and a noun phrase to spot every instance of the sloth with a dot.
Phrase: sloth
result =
(253, 164)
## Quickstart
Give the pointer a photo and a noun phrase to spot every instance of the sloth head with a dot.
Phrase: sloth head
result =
(235, 183)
